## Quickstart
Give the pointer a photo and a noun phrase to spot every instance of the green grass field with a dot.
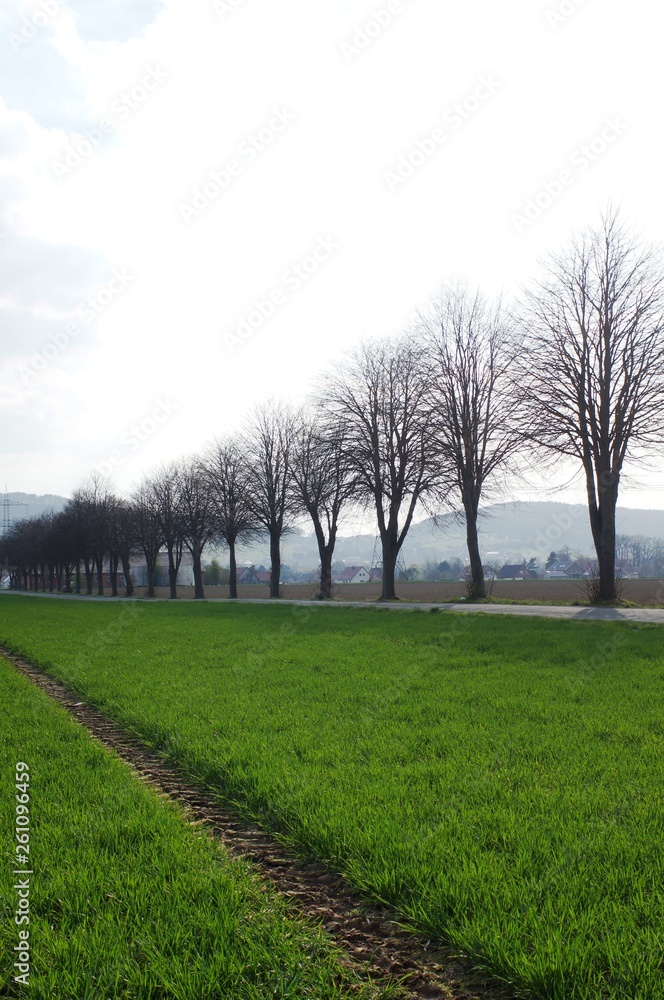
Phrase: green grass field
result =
(497, 781)
(126, 899)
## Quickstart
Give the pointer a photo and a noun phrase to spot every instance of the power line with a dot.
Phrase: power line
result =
(6, 516)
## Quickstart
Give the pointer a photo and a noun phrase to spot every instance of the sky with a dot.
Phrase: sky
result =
(203, 205)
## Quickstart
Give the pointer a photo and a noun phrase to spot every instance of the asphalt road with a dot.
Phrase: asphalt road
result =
(572, 613)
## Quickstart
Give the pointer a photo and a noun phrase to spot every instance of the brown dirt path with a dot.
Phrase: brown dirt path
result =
(371, 937)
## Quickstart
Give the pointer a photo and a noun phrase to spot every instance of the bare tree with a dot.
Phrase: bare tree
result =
(81, 514)
(473, 408)
(18, 548)
(268, 444)
(378, 395)
(148, 528)
(592, 368)
(126, 532)
(623, 546)
(324, 483)
(94, 501)
(199, 523)
(226, 472)
(68, 547)
(164, 486)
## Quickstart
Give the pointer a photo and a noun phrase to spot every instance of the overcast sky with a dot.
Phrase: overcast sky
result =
(203, 203)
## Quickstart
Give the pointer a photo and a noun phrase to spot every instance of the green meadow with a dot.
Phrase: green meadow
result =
(126, 899)
(496, 781)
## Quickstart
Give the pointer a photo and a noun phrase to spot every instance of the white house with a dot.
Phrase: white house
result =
(354, 574)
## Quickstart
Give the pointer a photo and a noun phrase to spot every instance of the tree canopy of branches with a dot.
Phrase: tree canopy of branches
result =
(592, 368)
(226, 472)
(474, 415)
(163, 488)
(46, 551)
(323, 483)
(93, 503)
(148, 529)
(268, 445)
(197, 511)
(378, 395)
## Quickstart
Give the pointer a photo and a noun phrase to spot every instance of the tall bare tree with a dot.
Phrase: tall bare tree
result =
(226, 472)
(199, 522)
(126, 534)
(66, 549)
(378, 394)
(94, 500)
(164, 487)
(80, 512)
(148, 528)
(324, 483)
(474, 412)
(592, 368)
(268, 445)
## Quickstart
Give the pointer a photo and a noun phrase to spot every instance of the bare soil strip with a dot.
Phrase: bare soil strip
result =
(372, 939)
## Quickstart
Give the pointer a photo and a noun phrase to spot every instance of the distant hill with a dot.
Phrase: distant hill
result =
(509, 532)
(529, 528)
(22, 505)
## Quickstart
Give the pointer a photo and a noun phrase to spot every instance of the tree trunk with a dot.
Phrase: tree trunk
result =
(114, 561)
(196, 553)
(326, 573)
(89, 567)
(150, 571)
(325, 552)
(126, 570)
(100, 574)
(606, 556)
(275, 569)
(603, 525)
(172, 573)
(232, 579)
(78, 577)
(477, 589)
(390, 554)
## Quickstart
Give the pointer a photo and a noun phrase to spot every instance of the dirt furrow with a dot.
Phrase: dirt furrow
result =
(371, 937)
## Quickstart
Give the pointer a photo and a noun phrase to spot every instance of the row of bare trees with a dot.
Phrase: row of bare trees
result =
(63, 550)
(286, 465)
(436, 419)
